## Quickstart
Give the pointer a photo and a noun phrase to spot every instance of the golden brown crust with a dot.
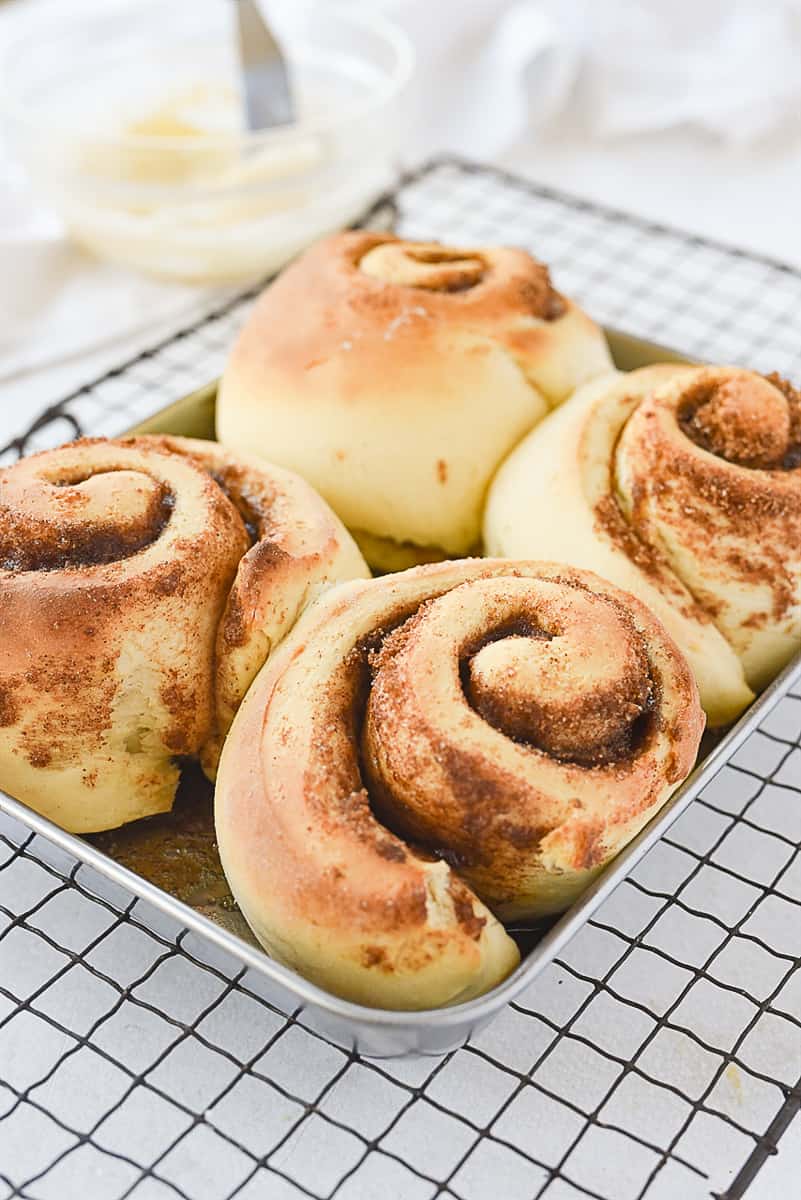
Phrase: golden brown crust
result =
(708, 473)
(742, 418)
(682, 484)
(327, 302)
(362, 765)
(396, 375)
(485, 286)
(135, 610)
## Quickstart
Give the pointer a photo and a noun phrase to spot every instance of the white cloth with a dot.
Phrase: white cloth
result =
(491, 72)
(491, 69)
(730, 68)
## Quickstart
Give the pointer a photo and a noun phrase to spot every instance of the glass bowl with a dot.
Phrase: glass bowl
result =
(130, 124)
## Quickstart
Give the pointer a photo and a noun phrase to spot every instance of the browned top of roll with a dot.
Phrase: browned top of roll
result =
(361, 294)
(517, 721)
(716, 455)
(708, 477)
(747, 419)
(396, 375)
(487, 284)
(352, 286)
(57, 515)
(143, 582)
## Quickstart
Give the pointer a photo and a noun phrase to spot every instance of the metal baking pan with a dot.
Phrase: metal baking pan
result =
(171, 861)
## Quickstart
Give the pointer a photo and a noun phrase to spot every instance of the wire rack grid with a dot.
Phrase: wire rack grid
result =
(658, 1058)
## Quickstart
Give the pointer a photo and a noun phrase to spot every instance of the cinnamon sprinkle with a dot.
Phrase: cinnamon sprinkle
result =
(739, 420)
(30, 545)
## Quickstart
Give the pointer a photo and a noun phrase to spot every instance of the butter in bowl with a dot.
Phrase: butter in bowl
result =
(130, 122)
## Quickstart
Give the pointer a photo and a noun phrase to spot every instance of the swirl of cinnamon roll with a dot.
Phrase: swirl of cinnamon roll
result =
(395, 376)
(683, 485)
(432, 752)
(143, 582)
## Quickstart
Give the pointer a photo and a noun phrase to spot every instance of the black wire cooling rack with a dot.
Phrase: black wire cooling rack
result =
(659, 1057)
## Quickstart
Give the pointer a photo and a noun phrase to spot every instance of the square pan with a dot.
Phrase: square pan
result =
(378, 1032)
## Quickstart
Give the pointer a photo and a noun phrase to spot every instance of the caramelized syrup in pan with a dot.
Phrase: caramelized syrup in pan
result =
(177, 852)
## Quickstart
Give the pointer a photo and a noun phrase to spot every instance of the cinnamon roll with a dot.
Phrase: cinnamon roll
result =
(430, 753)
(395, 376)
(683, 485)
(143, 582)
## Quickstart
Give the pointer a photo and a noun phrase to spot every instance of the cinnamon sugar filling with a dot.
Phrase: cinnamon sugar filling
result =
(595, 723)
(754, 422)
(28, 543)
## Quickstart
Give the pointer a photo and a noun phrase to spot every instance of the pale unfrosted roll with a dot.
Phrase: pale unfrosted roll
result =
(683, 485)
(395, 376)
(143, 582)
(434, 750)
